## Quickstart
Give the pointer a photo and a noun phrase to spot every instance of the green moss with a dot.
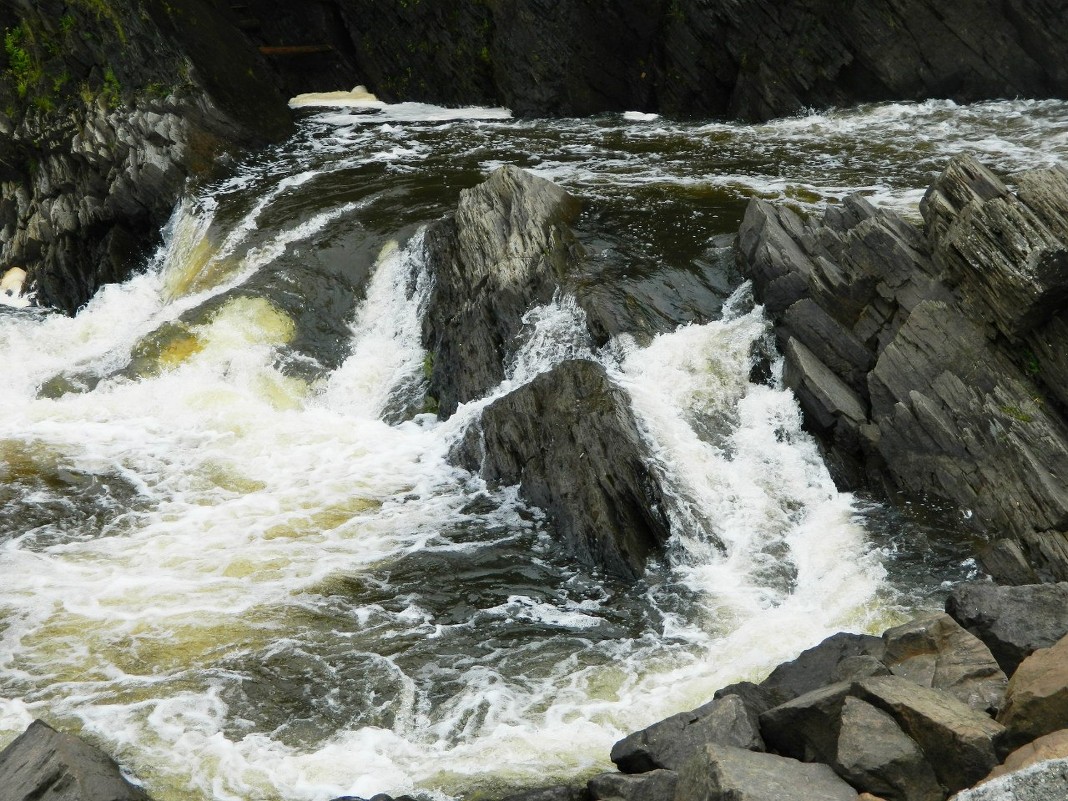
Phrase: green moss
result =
(1016, 413)
(22, 64)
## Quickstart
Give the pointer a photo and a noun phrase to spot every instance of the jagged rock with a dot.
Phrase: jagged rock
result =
(1047, 747)
(815, 667)
(655, 785)
(1042, 782)
(806, 728)
(935, 360)
(1036, 702)
(724, 773)
(670, 743)
(43, 763)
(569, 440)
(854, 668)
(1013, 622)
(937, 652)
(956, 741)
(507, 248)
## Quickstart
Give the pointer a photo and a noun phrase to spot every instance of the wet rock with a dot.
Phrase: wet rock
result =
(654, 785)
(1013, 622)
(815, 667)
(1036, 702)
(936, 652)
(861, 296)
(569, 440)
(671, 743)
(955, 740)
(724, 773)
(44, 763)
(508, 247)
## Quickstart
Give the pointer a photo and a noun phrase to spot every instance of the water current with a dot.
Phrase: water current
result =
(232, 550)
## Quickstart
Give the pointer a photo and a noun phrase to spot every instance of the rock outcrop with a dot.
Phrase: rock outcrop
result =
(569, 441)
(43, 763)
(106, 110)
(507, 248)
(931, 358)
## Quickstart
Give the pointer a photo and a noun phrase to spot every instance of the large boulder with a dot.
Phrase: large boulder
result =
(1014, 622)
(655, 785)
(508, 247)
(937, 652)
(725, 773)
(1045, 748)
(1036, 702)
(1044, 781)
(818, 666)
(671, 743)
(43, 763)
(859, 296)
(569, 440)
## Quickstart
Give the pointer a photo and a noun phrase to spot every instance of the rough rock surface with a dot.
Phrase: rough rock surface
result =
(671, 743)
(932, 359)
(1047, 747)
(1042, 782)
(654, 785)
(508, 247)
(43, 763)
(936, 652)
(724, 773)
(569, 440)
(1036, 702)
(816, 667)
(1013, 621)
(122, 103)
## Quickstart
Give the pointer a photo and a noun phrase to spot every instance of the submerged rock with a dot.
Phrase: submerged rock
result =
(569, 440)
(915, 351)
(43, 763)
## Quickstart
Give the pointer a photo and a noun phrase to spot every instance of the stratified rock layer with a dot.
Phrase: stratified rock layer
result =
(934, 358)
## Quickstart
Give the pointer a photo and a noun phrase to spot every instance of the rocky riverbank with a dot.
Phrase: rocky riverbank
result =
(921, 713)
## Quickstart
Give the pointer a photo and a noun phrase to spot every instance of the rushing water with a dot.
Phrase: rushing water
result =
(233, 552)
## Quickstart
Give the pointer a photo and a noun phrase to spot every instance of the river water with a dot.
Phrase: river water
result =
(233, 553)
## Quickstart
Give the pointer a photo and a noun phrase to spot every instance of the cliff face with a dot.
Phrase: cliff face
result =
(106, 108)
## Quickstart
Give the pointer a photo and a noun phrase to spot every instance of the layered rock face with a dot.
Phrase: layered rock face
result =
(106, 109)
(933, 358)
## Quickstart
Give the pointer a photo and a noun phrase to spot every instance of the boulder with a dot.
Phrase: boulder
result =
(956, 741)
(1036, 702)
(671, 743)
(1013, 622)
(1045, 748)
(725, 773)
(569, 440)
(43, 763)
(557, 792)
(816, 667)
(1044, 781)
(936, 652)
(508, 247)
(655, 785)
(806, 727)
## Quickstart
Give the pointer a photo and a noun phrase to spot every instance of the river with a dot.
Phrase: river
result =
(233, 553)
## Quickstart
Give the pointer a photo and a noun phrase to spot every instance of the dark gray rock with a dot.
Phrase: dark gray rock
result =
(958, 742)
(934, 360)
(815, 667)
(806, 728)
(1013, 622)
(43, 763)
(558, 792)
(508, 247)
(655, 785)
(937, 652)
(569, 440)
(724, 773)
(671, 743)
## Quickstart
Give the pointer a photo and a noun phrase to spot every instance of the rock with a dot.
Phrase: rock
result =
(853, 668)
(560, 792)
(43, 763)
(670, 743)
(1036, 702)
(1047, 747)
(815, 667)
(507, 248)
(1013, 622)
(1045, 781)
(654, 785)
(956, 741)
(806, 727)
(858, 298)
(724, 773)
(569, 440)
(936, 652)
